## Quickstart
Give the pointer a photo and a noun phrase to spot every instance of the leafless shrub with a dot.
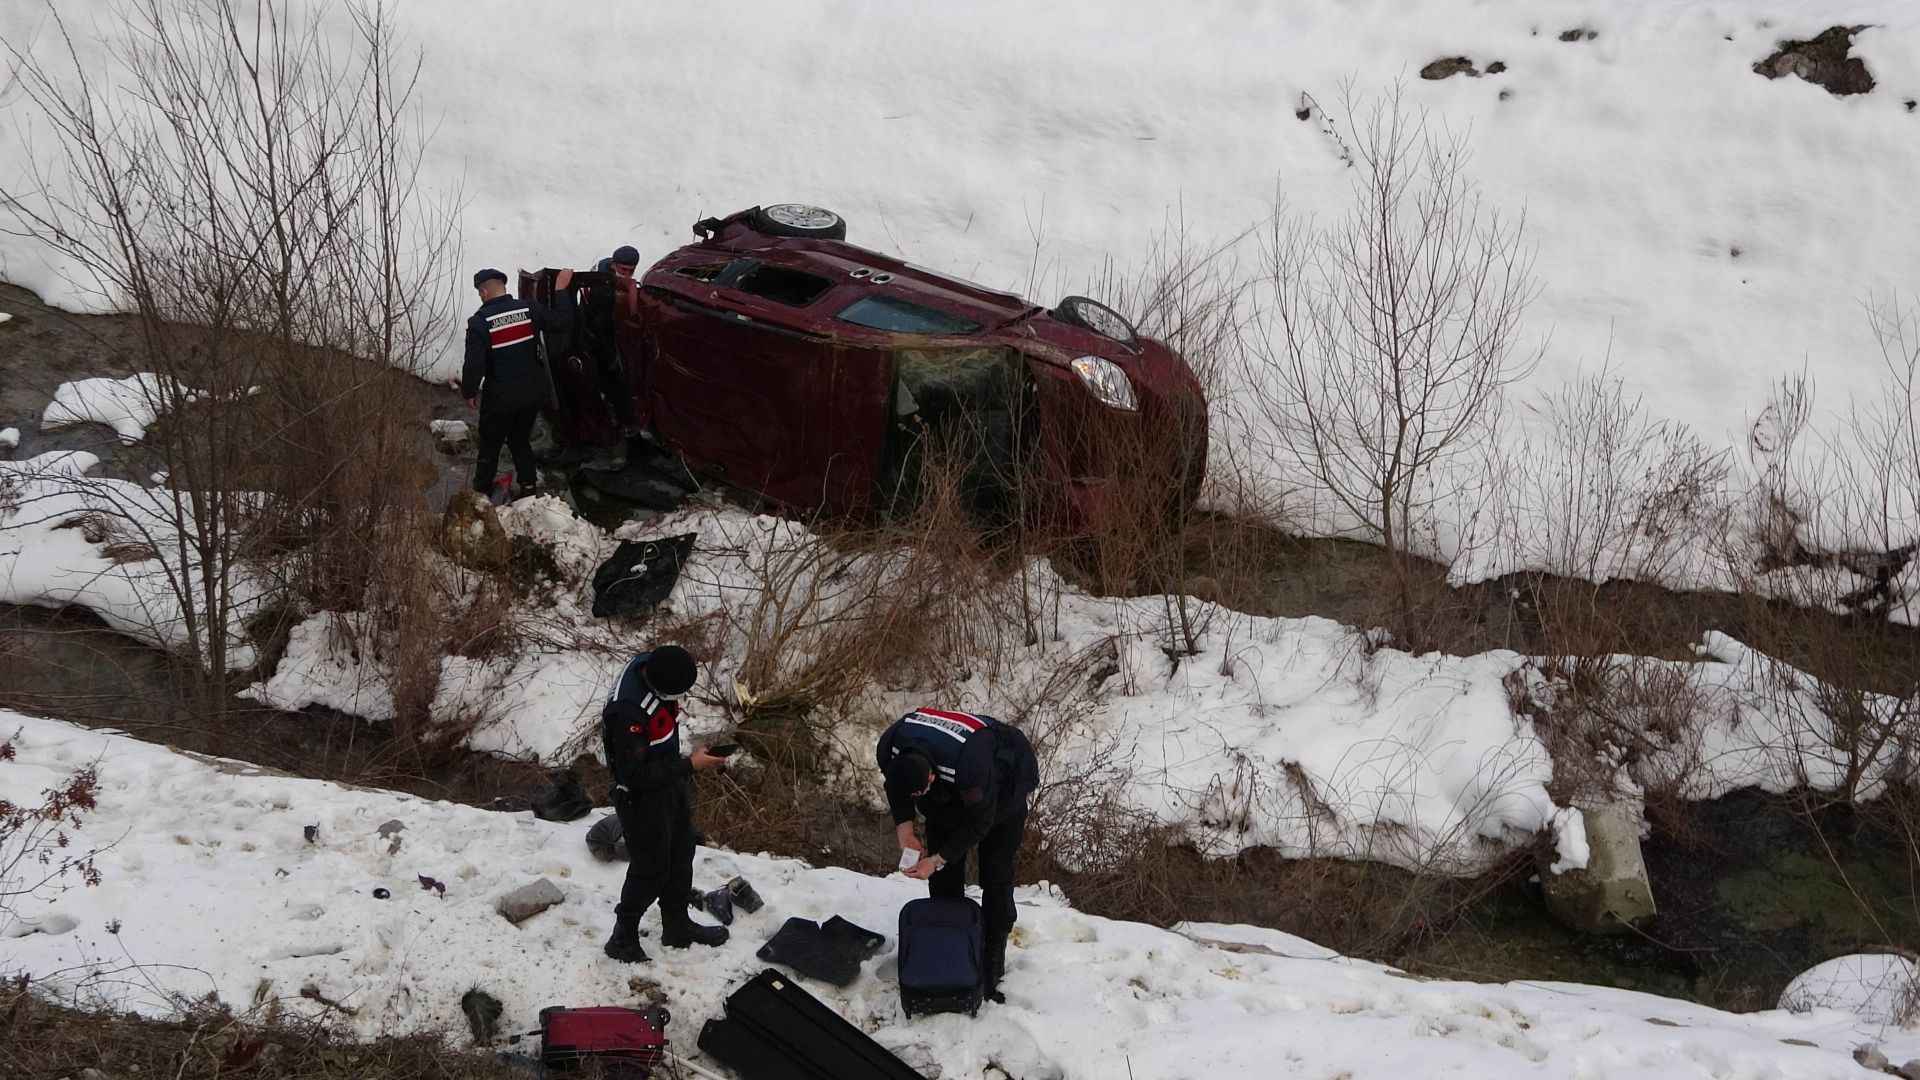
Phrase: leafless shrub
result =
(37, 853)
(1605, 491)
(1380, 359)
(248, 191)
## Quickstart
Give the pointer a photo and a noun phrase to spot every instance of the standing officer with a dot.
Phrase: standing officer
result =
(970, 777)
(505, 376)
(600, 336)
(652, 794)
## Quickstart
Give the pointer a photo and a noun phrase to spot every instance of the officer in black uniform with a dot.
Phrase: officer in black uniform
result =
(652, 793)
(970, 777)
(600, 336)
(505, 376)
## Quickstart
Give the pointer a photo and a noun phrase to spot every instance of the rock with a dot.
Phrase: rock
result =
(451, 435)
(390, 827)
(1447, 67)
(1909, 1071)
(527, 901)
(1870, 1057)
(1822, 61)
(471, 535)
(1612, 892)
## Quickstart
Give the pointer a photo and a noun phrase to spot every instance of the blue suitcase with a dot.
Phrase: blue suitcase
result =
(943, 956)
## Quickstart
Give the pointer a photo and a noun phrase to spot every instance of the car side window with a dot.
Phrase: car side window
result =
(903, 317)
(794, 288)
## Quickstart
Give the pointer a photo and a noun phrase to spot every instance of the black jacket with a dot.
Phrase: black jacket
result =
(504, 367)
(983, 772)
(640, 732)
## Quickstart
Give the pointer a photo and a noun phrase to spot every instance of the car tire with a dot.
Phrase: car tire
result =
(798, 219)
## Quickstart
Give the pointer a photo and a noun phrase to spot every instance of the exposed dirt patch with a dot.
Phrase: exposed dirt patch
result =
(1822, 61)
(1449, 66)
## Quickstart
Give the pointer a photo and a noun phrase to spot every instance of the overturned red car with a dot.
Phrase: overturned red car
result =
(776, 357)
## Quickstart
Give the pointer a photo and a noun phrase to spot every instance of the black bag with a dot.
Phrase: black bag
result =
(943, 958)
(606, 840)
(625, 1043)
(639, 575)
(566, 801)
(774, 1030)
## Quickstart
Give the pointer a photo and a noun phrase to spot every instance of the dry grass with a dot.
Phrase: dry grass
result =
(39, 1039)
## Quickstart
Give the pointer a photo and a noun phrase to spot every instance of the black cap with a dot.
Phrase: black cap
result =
(481, 277)
(907, 773)
(670, 671)
(626, 255)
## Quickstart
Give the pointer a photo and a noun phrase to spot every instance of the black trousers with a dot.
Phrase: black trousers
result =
(658, 824)
(611, 378)
(997, 852)
(515, 429)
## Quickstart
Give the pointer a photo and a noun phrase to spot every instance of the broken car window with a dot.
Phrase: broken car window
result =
(783, 286)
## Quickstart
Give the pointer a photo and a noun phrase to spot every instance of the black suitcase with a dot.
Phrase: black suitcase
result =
(943, 956)
(774, 1030)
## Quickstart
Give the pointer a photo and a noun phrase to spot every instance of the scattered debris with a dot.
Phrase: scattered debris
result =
(1496, 67)
(483, 1015)
(528, 900)
(1822, 61)
(640, 575)
(1579, 33)
(312, 833)
(438, 887)
(607, 841)
(381, 894)
(1870, 1057)
(312, 993)
(566, 800)
(391, 831)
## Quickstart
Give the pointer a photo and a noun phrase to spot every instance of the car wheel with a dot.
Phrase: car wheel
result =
(798, 219)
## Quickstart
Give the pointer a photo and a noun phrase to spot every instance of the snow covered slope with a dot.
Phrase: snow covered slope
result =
(213, 887)
(1718, 228)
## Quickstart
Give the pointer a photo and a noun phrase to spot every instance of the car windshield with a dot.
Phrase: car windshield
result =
(904, 317)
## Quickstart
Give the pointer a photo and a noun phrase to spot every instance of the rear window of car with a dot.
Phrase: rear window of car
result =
(903, 317)
(783, 286)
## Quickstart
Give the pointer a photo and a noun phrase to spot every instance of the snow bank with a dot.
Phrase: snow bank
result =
(1880, 988)
(324, 665)
(9, 438)
(69, 538)
(212, 887)
(128, 405)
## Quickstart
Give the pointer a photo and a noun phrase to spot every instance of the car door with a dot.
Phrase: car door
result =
(738, 387)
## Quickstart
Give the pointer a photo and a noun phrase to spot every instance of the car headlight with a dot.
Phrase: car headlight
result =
(1106, 382)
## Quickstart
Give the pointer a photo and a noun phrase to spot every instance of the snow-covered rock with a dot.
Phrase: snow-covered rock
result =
(9, 438)
(1882, 988)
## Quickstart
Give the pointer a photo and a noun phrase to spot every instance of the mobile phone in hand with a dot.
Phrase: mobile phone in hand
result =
(725, 749)
(909, 858)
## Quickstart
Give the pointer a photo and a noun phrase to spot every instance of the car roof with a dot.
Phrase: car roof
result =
(837, 259)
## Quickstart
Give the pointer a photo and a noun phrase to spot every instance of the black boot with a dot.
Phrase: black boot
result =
(996, 968)
(624, 945)
(677, 932)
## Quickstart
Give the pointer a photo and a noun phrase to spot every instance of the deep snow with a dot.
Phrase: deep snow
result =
(1701, 229)
(211, 886)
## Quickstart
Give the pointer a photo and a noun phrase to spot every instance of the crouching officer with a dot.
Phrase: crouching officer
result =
(970, 777)
(652, 794)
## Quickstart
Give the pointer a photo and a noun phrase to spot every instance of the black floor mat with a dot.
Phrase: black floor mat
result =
(830, 953)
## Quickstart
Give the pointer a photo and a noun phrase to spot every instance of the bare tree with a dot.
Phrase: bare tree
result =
(1391, 335)
(248, 189)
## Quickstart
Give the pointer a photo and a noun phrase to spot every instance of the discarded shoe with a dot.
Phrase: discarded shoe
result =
(692, 933)
(743, 895)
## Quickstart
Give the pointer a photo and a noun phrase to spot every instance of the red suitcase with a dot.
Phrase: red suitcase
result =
(626, 1043)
